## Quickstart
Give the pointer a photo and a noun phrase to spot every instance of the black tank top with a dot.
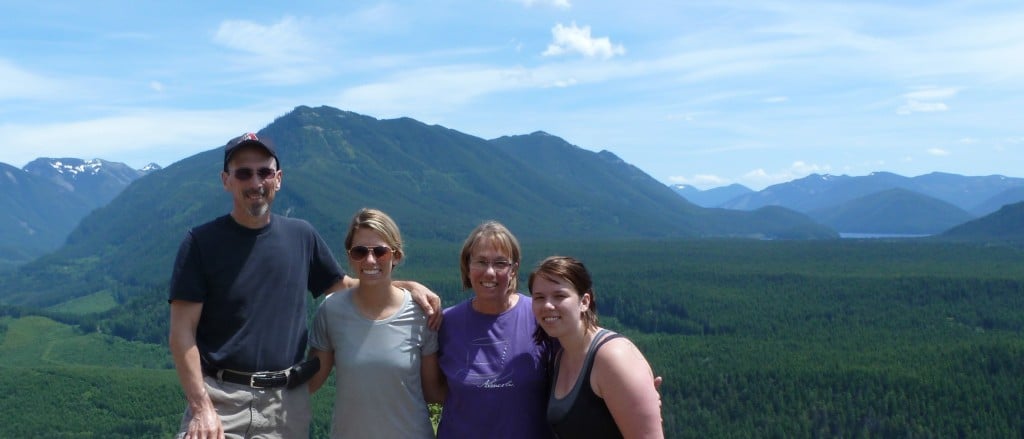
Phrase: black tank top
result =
(582, 414)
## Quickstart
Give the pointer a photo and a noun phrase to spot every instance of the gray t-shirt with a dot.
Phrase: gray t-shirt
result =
(377, 368)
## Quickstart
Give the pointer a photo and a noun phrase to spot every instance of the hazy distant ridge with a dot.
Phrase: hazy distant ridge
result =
(817, 191)
(881, 202)
(713, 197)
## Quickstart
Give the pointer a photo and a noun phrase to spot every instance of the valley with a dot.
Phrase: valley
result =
(838, 338)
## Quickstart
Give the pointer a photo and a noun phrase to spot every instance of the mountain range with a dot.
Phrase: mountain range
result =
(714, 197)
(89, 320)
(43, 201)
(594, 194)
(880, 202)
(437, 182)
(434, 171)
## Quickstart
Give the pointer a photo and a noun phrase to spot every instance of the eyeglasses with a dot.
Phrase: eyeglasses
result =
(244, 174)
(360, 252)
(499, 266)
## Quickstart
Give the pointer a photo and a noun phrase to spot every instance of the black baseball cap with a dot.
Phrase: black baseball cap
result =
(248, 139)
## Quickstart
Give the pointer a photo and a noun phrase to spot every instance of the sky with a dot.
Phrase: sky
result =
(706, 93)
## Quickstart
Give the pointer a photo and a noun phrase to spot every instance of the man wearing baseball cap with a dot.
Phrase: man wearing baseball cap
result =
(238, 307)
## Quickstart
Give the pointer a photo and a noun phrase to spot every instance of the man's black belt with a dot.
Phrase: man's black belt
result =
(291, 377)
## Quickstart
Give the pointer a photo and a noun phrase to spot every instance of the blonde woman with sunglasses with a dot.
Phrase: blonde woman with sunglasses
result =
(377, 339)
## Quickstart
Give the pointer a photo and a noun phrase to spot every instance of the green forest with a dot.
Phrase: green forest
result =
(838, 338)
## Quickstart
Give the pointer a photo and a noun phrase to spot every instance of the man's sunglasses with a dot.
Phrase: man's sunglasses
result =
(360, 252)
(244, 174)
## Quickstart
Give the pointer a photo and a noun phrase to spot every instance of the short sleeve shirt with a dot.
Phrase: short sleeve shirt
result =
(252, 284)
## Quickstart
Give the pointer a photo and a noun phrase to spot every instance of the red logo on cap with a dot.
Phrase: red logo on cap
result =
(250, 136)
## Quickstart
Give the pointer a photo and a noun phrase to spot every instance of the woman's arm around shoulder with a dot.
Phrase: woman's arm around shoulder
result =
(428, 300)
(623, 378)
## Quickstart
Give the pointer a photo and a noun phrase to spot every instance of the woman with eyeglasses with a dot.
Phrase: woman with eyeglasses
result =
(495, 374)
(602, 386)
(378, 340)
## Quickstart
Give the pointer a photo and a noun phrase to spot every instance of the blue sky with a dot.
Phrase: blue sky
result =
(699, 92)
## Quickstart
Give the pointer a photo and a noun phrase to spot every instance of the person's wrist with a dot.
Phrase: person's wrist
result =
(201, 402)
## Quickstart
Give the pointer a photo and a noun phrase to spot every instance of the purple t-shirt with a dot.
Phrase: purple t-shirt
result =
(497, 378)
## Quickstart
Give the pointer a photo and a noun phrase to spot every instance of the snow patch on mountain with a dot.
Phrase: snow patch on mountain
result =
(75, 167)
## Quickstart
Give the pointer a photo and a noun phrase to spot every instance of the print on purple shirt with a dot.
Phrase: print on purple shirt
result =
(497, 379)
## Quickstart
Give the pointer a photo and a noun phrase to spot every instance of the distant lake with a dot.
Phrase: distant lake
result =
(880, 235)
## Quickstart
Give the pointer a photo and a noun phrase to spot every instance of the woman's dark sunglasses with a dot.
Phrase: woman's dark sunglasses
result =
(244, 174)
(360, 252)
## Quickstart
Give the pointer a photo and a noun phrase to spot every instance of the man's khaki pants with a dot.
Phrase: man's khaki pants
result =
(245, 412)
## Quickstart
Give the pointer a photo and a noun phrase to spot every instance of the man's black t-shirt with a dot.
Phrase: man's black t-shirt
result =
(252, 283)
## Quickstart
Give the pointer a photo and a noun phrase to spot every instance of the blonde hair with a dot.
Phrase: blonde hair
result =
(379, 222)
(496, 234)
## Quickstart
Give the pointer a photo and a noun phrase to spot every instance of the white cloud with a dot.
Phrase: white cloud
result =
(281, 53)
(686, 117)
(913, 106)
(136, 138)
(278, 40)
(925, 100)
(17, 83)
(938, 152)
(931, 93)
(801, 167)
(436, 90)
(982, 42)
(701, 181)
(156, 86)
(562, 4)
(565, 83)
(431, 91)
(775, 99)
(760, 178)
(574, 39)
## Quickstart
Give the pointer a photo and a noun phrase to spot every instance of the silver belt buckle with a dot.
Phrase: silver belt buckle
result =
(266, 376)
